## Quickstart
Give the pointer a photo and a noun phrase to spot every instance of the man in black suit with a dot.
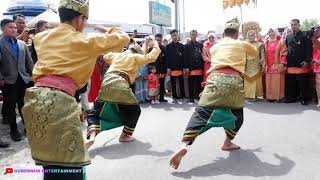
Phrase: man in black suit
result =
(193, 62)
(175, 64)
(15, 73)
(299, 59)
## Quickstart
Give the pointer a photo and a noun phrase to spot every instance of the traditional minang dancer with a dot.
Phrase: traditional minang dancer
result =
(116, 104)
(66, 59)
(221, 103)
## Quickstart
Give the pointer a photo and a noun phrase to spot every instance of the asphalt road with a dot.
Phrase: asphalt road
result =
(279, 142)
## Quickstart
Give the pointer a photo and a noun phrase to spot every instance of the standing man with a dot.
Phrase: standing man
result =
(175, 62)
(66, 59)
(298, 64)
(222, 101)
(40, 27)
(15, 74)
(20, 21)
(161, 67)
(194, 65)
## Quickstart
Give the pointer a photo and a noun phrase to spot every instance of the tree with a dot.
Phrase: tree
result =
(308, 23)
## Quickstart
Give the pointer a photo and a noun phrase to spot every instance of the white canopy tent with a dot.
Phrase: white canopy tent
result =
(50, 16)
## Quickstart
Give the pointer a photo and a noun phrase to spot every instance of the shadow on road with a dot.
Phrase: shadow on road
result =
(279, 108)
(240, 163)
(125, 150)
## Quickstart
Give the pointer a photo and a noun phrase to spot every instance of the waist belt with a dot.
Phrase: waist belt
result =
(62, 83)
(226, 71)
(296, 70)
(122, 74)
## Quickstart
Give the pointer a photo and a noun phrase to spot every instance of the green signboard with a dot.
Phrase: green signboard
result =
(159, 14)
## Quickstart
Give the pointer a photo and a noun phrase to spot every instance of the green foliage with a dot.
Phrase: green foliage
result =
(308, 23)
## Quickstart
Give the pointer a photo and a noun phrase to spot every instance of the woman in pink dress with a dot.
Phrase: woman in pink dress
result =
(274, 77)
(316, 63)
(206, 55)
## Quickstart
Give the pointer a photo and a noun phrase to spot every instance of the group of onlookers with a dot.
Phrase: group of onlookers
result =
(286, 70)
(289, 63)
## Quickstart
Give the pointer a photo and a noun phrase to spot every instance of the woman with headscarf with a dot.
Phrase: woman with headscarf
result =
(274, 77)
(316, 62)
(254, 69)
(206, 55)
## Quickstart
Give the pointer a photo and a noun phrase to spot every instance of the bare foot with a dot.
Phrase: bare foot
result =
(126, 138)
(230, 146)
(177, 157)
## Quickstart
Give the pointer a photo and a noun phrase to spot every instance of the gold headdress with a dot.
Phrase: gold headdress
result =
(250, 26)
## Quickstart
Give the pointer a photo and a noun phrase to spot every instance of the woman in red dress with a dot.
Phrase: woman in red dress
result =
(206, 55)
(274, 77)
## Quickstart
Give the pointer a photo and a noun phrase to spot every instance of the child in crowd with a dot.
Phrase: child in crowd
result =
(153, 85)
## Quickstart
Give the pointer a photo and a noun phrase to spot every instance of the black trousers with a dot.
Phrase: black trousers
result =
(80, 91)
(195, 86)
(162, 88)
(13, 94)
(199, 120)
(3, 108)
(130, 114)
(50, 173)
(174, 86)
(297, 86)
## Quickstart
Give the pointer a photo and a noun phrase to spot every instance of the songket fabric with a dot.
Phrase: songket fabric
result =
(53, 128)
(223, 90)
(66, 59)
(253, 74)
(116, 89)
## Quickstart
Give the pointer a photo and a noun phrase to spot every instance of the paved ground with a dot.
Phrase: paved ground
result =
(279, 142)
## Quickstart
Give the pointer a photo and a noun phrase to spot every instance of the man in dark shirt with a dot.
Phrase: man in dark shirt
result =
(175, 63)
(22, 33)
(193, 63)
(161, 67)
(298, 63)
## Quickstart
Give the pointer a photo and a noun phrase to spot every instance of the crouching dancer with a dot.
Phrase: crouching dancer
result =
(66, 59)
(116, 104)
(221, 103)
